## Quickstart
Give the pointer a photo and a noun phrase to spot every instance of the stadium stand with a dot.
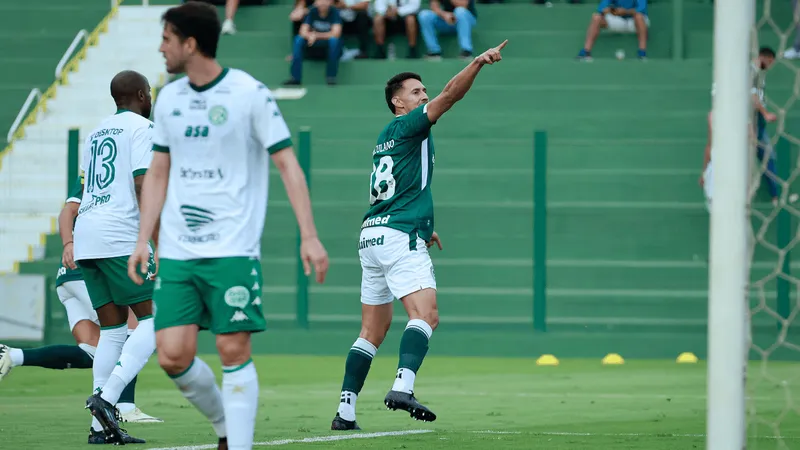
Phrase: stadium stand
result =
(628, 229)
(34, 38)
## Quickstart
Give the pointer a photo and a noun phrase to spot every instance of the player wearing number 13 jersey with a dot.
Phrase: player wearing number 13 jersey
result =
(116, 156)
(395, 236)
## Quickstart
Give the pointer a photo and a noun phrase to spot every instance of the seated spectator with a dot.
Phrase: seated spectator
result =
(619, 16)
(298, 16)
(450, 17)
(391, 17)
(356, 22)
(319, 38)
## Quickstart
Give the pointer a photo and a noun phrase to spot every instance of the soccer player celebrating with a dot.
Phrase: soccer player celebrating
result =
(116, 156)
(215, 131)
(395, 235)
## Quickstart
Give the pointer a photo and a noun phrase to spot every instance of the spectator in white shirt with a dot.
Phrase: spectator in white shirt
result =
(395, 16)
(355, 19)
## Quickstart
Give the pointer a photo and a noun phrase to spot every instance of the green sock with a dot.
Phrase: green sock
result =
(58, 357)
(413, 348)
(129, 393)
(356, 368)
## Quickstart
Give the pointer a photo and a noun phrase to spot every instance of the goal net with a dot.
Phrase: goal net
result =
(772, 386)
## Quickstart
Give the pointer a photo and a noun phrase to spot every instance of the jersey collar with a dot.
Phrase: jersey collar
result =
(213, 82)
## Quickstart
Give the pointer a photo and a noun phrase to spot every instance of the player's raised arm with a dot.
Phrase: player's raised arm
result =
(458, 86)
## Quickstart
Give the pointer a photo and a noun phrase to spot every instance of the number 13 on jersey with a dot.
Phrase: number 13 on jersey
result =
(382, 184)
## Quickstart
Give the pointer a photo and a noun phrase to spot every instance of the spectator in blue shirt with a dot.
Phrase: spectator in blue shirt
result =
(619, 16)
(319, 38)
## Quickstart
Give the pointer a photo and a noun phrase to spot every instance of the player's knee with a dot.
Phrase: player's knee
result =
(174, 362)
(430, 315)
(432, 318)
(374, 333)
(234, 348)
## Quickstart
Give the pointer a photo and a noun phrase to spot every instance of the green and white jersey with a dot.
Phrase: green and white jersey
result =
(115, 152)
(402, 170)
(219, 138)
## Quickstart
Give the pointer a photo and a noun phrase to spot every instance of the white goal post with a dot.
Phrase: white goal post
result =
(728, 249)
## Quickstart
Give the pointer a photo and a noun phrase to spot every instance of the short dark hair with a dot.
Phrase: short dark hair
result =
(125, 86)
(197, 20)
(395, 84)
(766, 51)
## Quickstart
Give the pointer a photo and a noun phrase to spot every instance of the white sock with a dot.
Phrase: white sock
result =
(89, 349)
(96, 425)
(125, 408)
(109, 349)
(404, 381)
(240, 399)
(135, 353)
(198, 385)
(17, 357)
(347, 406)
(347, 401)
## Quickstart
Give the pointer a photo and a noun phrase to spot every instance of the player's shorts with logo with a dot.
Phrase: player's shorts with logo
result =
(219, 294)
(393, 264)
(107, 282)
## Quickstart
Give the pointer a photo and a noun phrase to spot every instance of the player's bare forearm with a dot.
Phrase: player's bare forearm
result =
(454, 91)
(65, 220)
(154, 192)
(297, 189)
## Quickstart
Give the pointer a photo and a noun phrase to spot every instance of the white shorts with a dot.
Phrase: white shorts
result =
(76, 301)
(381, 6)
(708, 181)
(619, 24)
(390, 268)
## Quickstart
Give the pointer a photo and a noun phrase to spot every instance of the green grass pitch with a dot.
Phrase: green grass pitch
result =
(482, 403)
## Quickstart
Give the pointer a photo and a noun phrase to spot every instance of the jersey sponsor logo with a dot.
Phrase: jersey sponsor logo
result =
(196, 131)
(203, 174)
(196, 218)
(237, 297)
(371, 242)
(96, 200)
(218, 115)
(197, 103)
(383, 147)
(375, 221)
(106, 132)
(61, 272)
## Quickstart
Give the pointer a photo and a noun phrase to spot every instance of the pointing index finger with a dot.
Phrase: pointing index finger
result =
(501, 46)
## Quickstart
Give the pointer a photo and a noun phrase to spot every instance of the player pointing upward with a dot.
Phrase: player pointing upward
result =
(396, 233)
(215, 130)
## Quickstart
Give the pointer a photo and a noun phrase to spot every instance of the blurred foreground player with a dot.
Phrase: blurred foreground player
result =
(215, 132)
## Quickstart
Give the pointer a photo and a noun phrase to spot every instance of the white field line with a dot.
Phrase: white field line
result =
(659, 435)
(309, 440)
